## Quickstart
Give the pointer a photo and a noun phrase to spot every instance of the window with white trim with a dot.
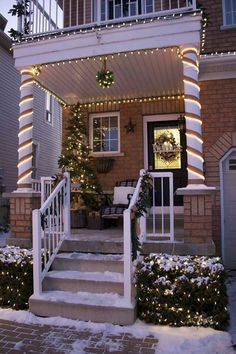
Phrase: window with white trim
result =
(105, 133)
(229, 7)
(49, 104)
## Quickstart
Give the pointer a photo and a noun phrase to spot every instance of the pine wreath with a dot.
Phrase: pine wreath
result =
(170, 154)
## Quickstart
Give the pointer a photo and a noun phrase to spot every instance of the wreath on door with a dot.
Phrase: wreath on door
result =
(166, 146)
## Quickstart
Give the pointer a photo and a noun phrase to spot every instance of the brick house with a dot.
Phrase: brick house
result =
(168, 62)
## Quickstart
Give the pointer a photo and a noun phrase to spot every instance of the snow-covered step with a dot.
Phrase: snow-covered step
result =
(94, 282)
(106, 307)
(88, 262)
(92, 246)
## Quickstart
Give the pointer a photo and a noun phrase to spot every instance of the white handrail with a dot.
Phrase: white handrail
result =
(128, 267)
(51, 224)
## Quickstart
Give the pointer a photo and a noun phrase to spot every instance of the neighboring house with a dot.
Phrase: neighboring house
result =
(168, 62)
(47, 124)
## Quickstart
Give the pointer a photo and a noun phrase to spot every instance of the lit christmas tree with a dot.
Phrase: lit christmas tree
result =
(75, 159)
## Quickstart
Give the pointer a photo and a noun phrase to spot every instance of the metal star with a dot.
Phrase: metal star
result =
(130, 127)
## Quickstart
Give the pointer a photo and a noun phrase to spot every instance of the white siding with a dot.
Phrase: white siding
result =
(9, 112)
(48, 137)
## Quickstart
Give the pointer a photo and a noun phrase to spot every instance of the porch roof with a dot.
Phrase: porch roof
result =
(148, 73)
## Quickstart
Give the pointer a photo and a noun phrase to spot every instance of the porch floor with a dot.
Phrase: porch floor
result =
(110, 240)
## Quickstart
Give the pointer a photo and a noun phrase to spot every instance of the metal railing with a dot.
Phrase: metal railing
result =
(45, 16)
(162, 210)
(51, 224)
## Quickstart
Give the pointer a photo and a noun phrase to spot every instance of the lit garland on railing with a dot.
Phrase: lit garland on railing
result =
(67, 33)
(139, 209)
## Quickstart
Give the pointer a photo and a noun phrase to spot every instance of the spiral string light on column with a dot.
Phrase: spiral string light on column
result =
(193, 116)
(25, 154)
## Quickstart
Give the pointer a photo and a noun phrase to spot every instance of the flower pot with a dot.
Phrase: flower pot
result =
(104, 164)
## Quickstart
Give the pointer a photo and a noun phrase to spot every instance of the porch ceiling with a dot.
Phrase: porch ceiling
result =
(138, 74)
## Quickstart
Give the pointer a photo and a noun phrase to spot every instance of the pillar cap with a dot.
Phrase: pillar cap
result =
(195, 189)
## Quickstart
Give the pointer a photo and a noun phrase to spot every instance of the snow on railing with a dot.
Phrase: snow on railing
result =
(163, 207)
(51, 224)
(45, 16)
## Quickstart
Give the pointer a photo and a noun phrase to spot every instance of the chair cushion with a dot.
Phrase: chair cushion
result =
(121, 195)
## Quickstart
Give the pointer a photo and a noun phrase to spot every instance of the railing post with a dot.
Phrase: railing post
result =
(67, 204)
(20, 19)
(98, 12)
(194, 4)
(143, 227)
(127, 257)
(37, 266)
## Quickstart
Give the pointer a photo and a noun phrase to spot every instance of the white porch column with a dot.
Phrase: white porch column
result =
(25, 135)
(193, 116)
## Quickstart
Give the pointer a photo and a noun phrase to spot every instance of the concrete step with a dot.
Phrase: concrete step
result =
(88, 262)
(83, 306)
(92, 246)
(94, 282)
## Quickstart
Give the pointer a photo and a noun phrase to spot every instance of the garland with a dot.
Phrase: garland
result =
(138, 210)
(166, 146)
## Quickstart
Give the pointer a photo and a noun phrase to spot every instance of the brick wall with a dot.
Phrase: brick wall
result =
(218, 99)
(129, 165)
(198, 219)
(217, 39)
(21, 207)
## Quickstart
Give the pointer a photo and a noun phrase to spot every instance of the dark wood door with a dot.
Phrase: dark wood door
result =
(167, 153)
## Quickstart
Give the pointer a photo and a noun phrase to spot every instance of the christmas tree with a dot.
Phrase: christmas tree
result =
(75, 159)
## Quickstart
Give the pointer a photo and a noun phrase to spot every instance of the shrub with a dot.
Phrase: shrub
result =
(182, 291)
(16, 277)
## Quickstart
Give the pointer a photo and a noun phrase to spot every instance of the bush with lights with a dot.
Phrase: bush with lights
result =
(182, 291)
(16, 277)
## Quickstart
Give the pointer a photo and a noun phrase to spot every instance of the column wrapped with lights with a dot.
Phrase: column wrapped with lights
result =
(193, 116)
(25, 154)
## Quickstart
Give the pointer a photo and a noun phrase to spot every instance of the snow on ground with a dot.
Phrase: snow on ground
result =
(171, 340)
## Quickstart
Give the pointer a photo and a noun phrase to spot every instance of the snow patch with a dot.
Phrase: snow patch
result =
(185, 340)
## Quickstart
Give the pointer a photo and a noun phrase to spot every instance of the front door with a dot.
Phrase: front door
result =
(167, 153)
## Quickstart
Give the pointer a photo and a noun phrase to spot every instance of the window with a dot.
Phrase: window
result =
(48, 116)
(105, 135)
(229, 7)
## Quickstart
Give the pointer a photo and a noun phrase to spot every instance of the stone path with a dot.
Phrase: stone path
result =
(16, 338)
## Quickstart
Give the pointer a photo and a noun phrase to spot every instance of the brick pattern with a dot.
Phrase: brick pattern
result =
(21, 216)
(217, 39)
(129, 165)
(218, 99)
(21, 338)
(198, 219)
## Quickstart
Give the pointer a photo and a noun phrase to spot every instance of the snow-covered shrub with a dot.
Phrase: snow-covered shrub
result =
(16, 277)
(182, 291)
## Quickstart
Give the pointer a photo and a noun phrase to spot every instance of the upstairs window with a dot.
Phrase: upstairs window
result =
(229, 10)
(113, 9)
(48, 116)
(104, 133)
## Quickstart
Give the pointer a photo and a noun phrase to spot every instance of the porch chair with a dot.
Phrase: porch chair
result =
(123, 192)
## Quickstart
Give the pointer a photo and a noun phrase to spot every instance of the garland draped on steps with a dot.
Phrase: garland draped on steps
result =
(138, 210)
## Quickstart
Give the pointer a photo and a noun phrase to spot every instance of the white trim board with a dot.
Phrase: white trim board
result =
(222, 199)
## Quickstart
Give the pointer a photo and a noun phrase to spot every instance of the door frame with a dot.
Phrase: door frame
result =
(154, 118)
(233, 149)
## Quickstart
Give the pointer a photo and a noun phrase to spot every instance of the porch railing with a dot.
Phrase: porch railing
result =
(162, 221)
(52, 15)
(51, 224)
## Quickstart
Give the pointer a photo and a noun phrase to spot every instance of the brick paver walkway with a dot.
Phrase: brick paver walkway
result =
(20, 338)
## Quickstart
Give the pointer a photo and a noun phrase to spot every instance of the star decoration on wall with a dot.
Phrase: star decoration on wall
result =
(130, 127)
